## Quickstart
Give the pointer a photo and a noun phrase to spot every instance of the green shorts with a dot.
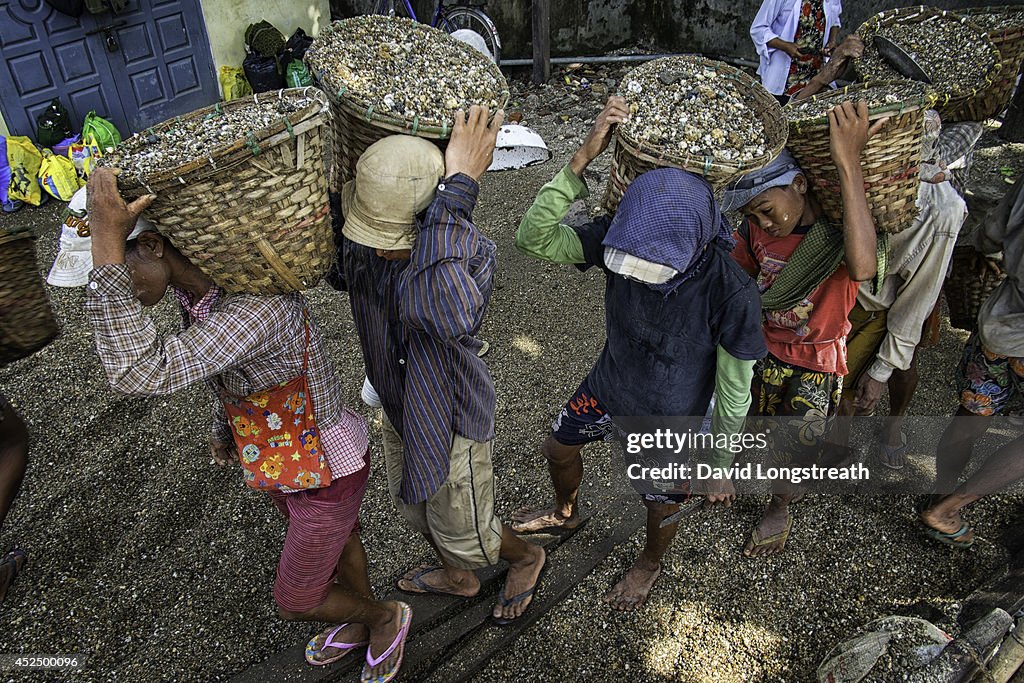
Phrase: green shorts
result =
(459, 517)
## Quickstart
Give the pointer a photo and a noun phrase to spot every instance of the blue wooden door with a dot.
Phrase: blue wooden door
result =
(163, 66)
(160, 64)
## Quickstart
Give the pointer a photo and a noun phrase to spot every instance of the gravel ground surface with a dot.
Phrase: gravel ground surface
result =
(158, 565)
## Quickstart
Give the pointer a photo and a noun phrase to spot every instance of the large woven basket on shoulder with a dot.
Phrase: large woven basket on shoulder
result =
(890, 160)
(357, 122)
(952, 104)
(27, 323)
(1004, 25)
(634, 157)
(254, 215)
(965, 290)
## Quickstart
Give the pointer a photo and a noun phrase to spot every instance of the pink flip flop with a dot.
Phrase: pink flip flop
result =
(397, 644)
(312, 651)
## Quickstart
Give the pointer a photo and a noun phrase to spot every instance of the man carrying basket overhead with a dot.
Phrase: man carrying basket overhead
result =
(419, 276)
(277, 411)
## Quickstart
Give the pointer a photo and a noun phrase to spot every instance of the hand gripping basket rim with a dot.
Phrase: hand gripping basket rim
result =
(706, 165)
(945, 99)
(341, 96)
(925, 101)
(237, 151)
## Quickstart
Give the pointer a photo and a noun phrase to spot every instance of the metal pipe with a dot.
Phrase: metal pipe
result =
(611, 59)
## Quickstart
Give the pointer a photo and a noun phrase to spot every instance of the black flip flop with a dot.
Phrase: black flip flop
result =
(505, 602)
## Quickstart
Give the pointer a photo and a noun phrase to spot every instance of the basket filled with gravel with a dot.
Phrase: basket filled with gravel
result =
(387, 75)
(241, 188)
(890, 160)
(696, 114)
(27, 323)
(1004, 25)
(958, 57)
(965, 289)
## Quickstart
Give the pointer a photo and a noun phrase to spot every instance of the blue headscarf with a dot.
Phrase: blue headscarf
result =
(669, 216)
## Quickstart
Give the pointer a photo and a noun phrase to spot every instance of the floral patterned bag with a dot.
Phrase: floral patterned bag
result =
(277, 437)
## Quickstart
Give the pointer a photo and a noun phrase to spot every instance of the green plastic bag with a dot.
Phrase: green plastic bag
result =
(102, 131)
(297, 75)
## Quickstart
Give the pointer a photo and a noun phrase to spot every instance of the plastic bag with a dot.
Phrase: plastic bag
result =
(24, 159)
(233, 84)
(296, 47)
(72, 8)
(102, 131)
(263, 39)
(83, 155)
(53, 124)
(910, 641)
(262, 73)
(61, 148)
(297, 75)
(5, 170)
(58, 176)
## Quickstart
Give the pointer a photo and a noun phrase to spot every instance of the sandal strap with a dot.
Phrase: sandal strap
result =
(399, 638)
(331, 642)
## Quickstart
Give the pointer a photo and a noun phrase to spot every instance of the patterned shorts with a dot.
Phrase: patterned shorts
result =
(584, 419)
(989, 384)
(803, 403)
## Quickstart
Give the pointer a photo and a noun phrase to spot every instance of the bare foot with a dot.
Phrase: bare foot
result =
(770, 534)
(318, 652)
(632, 590)
(431, 579)
(522, 580)
(527, 520)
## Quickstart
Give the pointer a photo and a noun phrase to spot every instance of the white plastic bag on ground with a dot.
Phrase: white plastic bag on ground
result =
(884, 649)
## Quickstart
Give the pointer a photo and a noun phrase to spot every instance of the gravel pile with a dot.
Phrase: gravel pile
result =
(158, 565)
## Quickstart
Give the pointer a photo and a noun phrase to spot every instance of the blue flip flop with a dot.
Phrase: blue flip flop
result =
(949, 539)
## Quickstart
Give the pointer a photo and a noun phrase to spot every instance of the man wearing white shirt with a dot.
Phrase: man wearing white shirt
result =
(792, 38)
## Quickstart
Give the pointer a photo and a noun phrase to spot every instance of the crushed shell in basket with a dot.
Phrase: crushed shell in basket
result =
(404, 69)
(692, 111)
(187, 140)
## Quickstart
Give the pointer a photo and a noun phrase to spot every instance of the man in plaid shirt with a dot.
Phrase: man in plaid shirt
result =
(241, 344)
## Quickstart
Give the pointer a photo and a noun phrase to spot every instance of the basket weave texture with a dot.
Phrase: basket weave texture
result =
(965, 291)
(631, 157)
(357, 123)
(27, 323)
(1009, 40)
(952, 106)
(255, 216)
(890, 160)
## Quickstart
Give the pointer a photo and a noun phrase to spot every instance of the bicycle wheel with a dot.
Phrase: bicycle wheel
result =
(474, 19)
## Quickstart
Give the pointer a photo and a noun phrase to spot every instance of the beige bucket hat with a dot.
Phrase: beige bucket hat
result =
(395, 179)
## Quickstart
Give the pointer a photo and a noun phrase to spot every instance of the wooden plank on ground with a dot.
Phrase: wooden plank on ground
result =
(289, 666)
(570, 563)
(1006, 593)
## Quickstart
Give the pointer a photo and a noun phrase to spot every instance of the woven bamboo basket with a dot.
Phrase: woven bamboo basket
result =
(952, 99)
(254, 216)
(1004, 25)
(27, 323)
(890, 160)
(357, 121)
(965, 291)
(634, 157)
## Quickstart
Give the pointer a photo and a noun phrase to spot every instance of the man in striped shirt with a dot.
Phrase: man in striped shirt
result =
(419, 275)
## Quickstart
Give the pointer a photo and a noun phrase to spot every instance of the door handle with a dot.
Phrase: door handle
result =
(109, 35)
